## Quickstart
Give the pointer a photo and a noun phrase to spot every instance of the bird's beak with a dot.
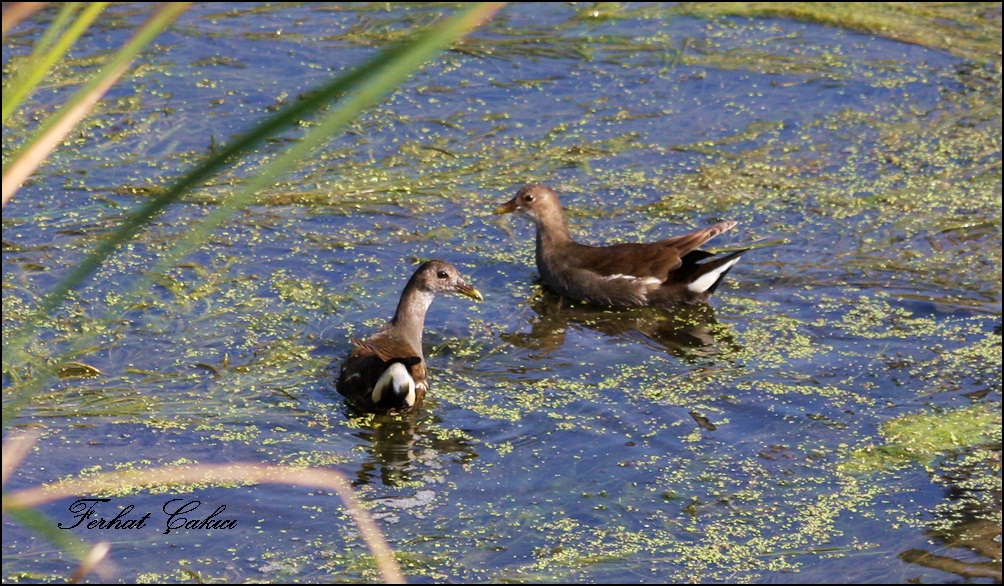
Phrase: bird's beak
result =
(506, 208)
(468, 291)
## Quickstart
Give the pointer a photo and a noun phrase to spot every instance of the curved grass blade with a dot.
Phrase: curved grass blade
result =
(21, 503)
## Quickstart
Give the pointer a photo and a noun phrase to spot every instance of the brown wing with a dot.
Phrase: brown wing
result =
(367, 362)
(643, 260)
(387, 349)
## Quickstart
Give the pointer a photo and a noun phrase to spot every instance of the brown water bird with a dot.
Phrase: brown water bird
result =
(386, 373)
(667, 272)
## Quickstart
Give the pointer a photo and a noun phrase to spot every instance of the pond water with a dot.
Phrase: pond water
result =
(833, 415)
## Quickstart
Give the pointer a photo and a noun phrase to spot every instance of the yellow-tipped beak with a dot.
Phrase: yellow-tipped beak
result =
(506, 208)
(469, 291)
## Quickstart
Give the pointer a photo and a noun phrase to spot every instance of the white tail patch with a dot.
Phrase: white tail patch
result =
(642, 280)
(705, 281)
(397, 379)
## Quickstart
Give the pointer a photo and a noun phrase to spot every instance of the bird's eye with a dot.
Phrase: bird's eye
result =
(528, 198)
(442, 275)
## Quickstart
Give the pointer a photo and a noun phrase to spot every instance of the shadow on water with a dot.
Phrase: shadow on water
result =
(687, 332)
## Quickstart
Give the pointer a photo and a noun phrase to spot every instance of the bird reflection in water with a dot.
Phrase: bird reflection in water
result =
(406, 448)
(969, 542)
(399, 448)
(687, 331)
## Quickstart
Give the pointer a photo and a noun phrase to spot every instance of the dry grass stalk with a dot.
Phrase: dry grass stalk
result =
(207, 474)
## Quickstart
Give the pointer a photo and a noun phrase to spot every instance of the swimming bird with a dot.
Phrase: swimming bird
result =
(664, 273)
(386, 373)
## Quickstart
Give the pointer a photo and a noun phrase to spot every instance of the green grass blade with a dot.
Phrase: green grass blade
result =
(46, 527)
(369, 84)
(52, 47)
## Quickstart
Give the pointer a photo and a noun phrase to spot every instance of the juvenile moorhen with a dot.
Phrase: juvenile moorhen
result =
(663, 273)
(386, 373)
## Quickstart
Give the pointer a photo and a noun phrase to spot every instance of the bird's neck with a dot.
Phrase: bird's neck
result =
(409, 319)
(552, 230)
